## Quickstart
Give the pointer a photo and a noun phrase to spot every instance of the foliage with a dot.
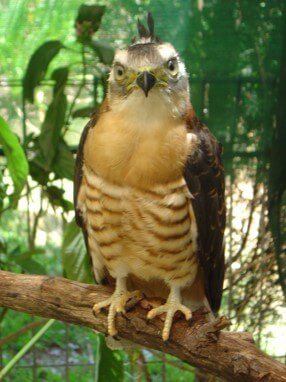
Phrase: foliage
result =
(37, 67)
(77, 266)
(109, 366)
(16, 160)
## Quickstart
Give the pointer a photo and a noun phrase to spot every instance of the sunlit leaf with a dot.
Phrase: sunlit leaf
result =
(16, 159)
(76, 262)
(51, 128)
(38, 66)
(109, 363)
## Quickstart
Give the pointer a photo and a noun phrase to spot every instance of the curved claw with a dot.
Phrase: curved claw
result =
(117, 304)
(172, 305)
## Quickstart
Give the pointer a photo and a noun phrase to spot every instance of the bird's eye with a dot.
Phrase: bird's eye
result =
(119, 72)
(172, 66)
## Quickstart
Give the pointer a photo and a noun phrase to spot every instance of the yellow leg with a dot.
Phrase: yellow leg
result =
(171, 306)
(117, 304)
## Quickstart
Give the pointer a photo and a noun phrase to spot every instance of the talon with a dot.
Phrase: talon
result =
(165, 336)
(151, 314)
(172, 305)
(117, 303)
(120, 309)
(97, 307)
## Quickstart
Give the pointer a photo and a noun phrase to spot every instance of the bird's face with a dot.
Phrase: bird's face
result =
(149, 73)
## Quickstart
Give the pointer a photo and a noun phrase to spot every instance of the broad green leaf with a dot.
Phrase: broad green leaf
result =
(16, 159)
(109, 363)
(104, 51)
(63, 163)
(76, 262)
(38, 65)
(51, 128)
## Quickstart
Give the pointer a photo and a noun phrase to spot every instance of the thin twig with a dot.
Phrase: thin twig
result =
(82, 85)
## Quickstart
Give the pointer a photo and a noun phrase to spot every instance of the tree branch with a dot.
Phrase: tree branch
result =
(231, 355)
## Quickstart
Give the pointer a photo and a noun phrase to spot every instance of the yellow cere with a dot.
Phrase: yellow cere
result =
(131, 75)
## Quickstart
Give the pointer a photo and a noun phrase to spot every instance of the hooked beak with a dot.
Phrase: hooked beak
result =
(146, 81)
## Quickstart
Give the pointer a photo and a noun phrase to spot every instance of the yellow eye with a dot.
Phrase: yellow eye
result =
(119, 72)
(172, 66)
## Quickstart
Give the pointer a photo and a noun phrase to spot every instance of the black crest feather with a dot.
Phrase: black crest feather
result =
(146, 35)
(150, 22)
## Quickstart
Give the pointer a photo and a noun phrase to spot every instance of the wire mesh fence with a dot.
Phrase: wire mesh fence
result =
(68, 353)
(233, 53)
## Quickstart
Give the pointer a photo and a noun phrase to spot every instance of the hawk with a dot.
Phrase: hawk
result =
(149, 187)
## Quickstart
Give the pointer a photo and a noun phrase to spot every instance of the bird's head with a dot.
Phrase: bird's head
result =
(149, 72)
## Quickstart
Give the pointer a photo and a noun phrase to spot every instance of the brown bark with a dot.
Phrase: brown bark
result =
(231, 355)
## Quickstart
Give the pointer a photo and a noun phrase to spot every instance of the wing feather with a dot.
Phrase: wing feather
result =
(204, 176)
(78, 176)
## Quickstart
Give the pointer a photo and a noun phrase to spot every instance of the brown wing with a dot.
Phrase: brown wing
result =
(204, 175)
(78, 174)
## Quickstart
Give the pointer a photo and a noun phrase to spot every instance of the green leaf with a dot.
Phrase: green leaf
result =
(109, 363)
(37, 67)
(51, 128)
(60, 76)
(16, 159)
(2, 191)
(63, 163)
(104, 51)
(38, 171)
(18, 257)
(25, 260)
(55, 196)
(67, 205)
(88, 21)
(76, 262)
(32, 266)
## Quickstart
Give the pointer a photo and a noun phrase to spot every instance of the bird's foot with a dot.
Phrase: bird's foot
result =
(117, 304)
(171, 306)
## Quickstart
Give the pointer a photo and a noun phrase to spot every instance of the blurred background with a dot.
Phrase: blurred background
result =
(54, 60)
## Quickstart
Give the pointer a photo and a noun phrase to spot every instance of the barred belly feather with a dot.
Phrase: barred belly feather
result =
(150, 233)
